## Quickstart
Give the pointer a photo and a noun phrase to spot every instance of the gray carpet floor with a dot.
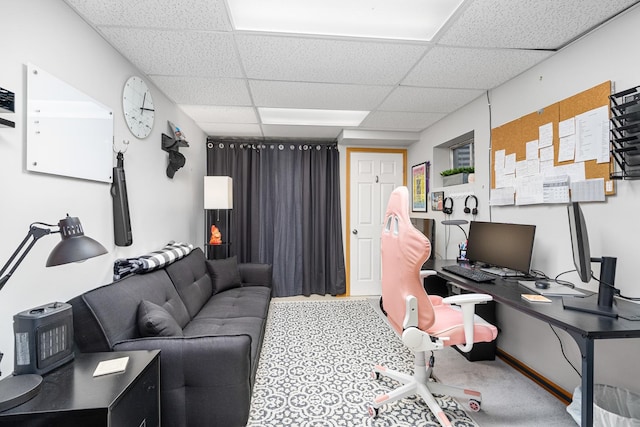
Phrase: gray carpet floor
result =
(508, 397)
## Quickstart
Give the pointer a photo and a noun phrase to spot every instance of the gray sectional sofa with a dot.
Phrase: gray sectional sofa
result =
(207, 318)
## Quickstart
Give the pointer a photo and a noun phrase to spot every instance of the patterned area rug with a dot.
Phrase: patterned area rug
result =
(315, 365)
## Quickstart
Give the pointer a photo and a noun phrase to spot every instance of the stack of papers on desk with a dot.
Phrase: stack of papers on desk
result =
(554, 289)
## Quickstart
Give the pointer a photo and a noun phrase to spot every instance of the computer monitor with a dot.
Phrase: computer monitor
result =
(582, 260)
(507, 246)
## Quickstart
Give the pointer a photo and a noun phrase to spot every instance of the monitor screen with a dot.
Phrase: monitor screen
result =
(501, 245)
(579, 242)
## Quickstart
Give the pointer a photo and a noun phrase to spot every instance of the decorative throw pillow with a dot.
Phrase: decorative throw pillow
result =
(224, 274)
(155, 321)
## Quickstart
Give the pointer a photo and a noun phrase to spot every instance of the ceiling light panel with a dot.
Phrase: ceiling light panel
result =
(384, 19)
(289, 116)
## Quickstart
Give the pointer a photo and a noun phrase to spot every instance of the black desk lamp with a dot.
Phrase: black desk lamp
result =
(458, 223)
(74, 247)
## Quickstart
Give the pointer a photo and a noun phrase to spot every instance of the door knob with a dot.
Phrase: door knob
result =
(355, 231)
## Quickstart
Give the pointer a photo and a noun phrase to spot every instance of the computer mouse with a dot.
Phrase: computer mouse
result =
(541, 284)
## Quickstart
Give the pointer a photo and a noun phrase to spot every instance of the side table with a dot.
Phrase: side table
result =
(71, 395)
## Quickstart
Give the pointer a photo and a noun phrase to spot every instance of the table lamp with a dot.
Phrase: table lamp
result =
(462, 248)
(74, 247)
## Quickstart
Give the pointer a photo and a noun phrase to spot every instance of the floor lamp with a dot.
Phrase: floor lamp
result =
(218, 195)
(74, 247)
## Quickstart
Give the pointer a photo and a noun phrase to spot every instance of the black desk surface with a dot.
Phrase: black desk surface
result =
(509, 291)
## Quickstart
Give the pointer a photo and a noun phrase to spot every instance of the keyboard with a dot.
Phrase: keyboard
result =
(469, 273)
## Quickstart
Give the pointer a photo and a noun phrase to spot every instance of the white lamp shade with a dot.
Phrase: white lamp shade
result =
(218, 192)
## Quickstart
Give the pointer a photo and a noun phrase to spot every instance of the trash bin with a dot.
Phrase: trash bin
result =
(612, 406)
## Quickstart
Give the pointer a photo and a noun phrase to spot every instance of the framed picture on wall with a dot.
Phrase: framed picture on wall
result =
(419, 187)
(437, 198)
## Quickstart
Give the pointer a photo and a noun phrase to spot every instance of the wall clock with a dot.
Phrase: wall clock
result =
(138, 108)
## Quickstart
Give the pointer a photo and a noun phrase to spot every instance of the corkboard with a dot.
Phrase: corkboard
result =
(513, 136)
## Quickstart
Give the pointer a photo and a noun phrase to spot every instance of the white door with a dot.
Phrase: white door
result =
(373, 177)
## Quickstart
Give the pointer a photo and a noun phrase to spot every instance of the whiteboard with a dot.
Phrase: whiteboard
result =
(68, 132)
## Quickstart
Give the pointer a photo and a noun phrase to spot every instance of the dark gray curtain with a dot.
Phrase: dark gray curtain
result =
(286, 210)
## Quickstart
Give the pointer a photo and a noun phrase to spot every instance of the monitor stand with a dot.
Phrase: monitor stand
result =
(602, 303)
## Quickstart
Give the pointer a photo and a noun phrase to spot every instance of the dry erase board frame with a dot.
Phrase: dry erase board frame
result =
(68, 132)
(513, 136)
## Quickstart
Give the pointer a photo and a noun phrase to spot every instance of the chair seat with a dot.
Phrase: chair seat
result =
(449, 323)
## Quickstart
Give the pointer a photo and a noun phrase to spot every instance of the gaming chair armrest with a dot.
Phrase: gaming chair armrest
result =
(427, 273)
(467, 303)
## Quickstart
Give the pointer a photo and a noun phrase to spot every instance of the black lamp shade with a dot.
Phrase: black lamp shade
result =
(74, 246)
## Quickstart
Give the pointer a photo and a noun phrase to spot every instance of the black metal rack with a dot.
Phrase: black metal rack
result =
(625, 133)
(7, 105)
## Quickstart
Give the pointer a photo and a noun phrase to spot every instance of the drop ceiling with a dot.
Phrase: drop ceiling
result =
(221, 76)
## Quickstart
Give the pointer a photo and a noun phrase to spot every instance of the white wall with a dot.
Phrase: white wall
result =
(50, 35)
(597, 58)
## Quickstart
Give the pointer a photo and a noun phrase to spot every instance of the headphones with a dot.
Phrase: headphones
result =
(448, 210)
(467, 209)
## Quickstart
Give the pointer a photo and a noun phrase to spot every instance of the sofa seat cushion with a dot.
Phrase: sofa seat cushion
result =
(192, 281)
(238, 302)
(155, 321)
(252, 326)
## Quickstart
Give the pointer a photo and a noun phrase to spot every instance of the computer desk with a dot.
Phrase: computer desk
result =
(583, 327)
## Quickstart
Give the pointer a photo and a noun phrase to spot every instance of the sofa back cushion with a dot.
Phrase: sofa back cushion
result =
(191, 280)
(115, 306)
(156, 321)
(224, 273)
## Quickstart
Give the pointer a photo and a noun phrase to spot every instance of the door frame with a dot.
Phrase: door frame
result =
(350, 150)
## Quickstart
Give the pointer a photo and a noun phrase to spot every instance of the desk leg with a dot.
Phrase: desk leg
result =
(586, 350)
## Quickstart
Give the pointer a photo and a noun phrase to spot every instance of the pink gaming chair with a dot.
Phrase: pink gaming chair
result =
(425, 323)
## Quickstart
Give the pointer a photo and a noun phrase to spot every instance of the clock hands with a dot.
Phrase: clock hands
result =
(143, 100)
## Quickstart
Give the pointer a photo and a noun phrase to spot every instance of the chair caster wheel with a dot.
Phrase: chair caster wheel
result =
(474, 405)
(374, 375)
(373, 412)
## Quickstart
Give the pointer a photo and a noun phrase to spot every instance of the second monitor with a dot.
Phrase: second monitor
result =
(505, 246)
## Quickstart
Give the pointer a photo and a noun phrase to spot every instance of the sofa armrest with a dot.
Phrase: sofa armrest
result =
(205, 377)
(255, 274)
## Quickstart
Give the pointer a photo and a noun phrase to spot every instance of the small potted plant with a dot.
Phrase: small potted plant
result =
(456, 175)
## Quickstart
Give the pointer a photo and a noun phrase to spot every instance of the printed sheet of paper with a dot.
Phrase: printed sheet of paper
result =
(498, 163)
(502, 196)
(545, 135)
(532, 150)
(546, 154)
(529, 190)
(590, 190)
(111, 366)
(592, 138)
(510, 163)
(567, 150)
(567, 127)
(556, 189)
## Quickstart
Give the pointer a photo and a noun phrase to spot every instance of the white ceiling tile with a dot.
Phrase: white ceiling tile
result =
(213, 114)
(193, 53)
(277, 131)
(472, 68)
(192, 14)
(428, 100)
(317, 95)
(400, 121)
(326, 60)
(540, 24)
(199, 90)
(230, 129)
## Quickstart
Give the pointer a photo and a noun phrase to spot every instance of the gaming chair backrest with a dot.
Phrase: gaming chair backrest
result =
(404, 251)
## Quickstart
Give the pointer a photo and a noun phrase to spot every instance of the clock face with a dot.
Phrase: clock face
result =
(138, 108)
